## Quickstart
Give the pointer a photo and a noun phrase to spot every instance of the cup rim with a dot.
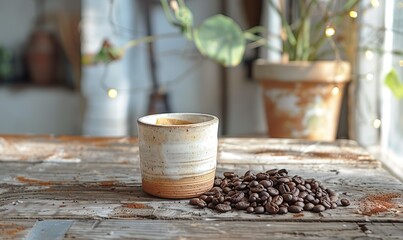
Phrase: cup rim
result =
(213, 120)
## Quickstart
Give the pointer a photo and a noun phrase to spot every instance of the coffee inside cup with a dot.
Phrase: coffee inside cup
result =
(171, 121)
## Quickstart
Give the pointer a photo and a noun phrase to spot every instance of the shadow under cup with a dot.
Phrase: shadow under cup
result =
(178, 153)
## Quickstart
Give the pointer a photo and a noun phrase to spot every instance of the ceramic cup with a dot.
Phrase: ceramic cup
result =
(178, 153)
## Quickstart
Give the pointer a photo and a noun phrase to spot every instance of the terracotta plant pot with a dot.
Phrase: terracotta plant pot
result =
(178, 154)
(302, 99)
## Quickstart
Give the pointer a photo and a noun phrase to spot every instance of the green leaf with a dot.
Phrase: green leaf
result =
(393, 83)
(220, 39)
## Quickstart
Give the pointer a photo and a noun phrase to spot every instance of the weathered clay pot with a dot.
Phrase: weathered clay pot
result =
(178, 154)
(302, 99)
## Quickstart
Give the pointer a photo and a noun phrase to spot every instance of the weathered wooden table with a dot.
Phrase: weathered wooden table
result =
(75, 188)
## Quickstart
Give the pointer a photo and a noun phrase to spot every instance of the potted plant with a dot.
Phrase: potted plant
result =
(302, 93)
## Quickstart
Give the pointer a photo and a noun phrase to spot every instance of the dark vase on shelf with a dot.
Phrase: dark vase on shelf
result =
(41, 58)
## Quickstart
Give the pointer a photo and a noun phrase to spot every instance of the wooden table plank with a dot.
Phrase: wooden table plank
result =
(156, 229)
(230, 151)
(10, 229)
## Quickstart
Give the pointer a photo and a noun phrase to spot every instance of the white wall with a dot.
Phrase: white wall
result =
(39, 111)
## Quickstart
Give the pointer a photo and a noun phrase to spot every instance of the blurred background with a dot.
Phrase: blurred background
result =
(52, 82)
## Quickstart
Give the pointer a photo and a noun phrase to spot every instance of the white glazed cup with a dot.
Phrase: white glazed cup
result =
(178, 158)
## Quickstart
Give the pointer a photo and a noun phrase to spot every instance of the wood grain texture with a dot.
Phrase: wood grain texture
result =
(98, 179)
(145, 229)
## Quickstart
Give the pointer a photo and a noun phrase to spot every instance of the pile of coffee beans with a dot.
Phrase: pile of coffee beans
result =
(272, 192)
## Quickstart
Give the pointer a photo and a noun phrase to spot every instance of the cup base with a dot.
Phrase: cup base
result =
(188, 187)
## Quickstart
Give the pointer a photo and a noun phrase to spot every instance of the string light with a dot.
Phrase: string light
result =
(335, 91)
(376, 123)
(112, 93)
(369, 76)
(401, 63)
(353, 14)
(375, 3)
(369, 54)
(330, 31)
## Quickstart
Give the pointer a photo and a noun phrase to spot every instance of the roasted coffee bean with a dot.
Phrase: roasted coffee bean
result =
(259, 210)
(300, 204)
(229, 174)
(272, 172)
(310, 198)
(294, 209)
(345, 202)
(241, 186)
(253, 197)
(202, 197)
(217, 182)
(283, 172)
(308, 206)
(254, 204)
(318, 208)
(264, 198)
(201, 204)
(249, 178)
(284, 188)
(261, 176)
(277, 200)
(227, 203)
(272, 191)
(287, 197)
(334, 205)
(271, 208)
(301, 187)
(221, 199)
(284, 180)
(266, 183)
(215, 201)
(250, 209)
(284, 204)
(294, 199)
(237, 183)
(223, 207)
(248, 173)
(326, 203)
(302, 194)
(295, 192)
(263, 194)
(291, 184)
(259, 188)
(211, 205)
(194, 201)
(297, 179)
(208, 199)
(254, 183)
(242, 205)
(226, 190)
(237, 197)
(231, 193)
(224, 183)
(282, 210)
(307, 185)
